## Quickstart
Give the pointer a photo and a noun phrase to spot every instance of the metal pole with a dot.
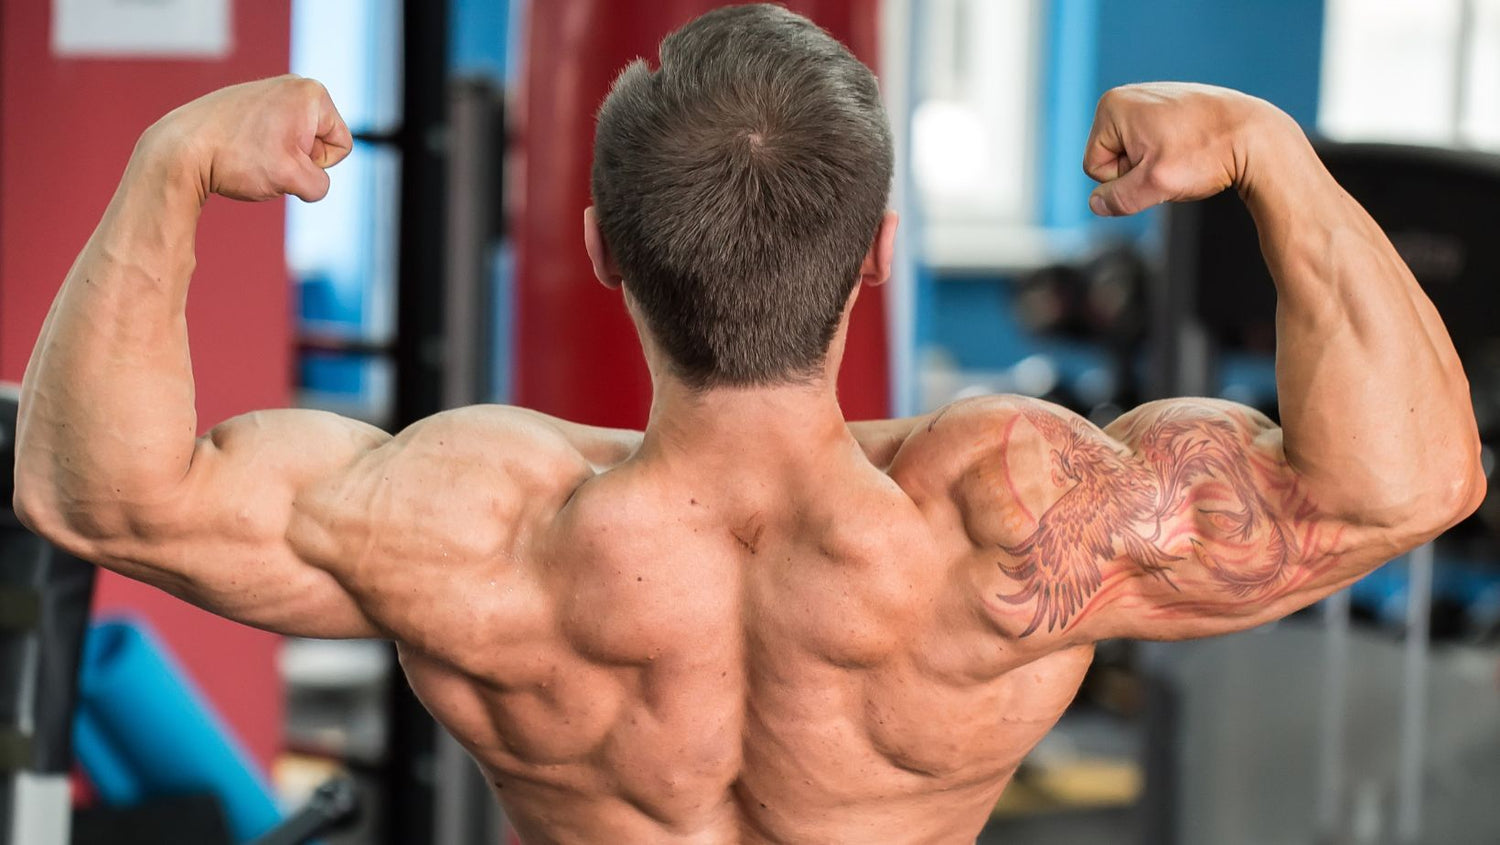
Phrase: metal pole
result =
(1463, 55)
(408, 788)
(421, 277)
(1414, 696)
(1183, 357)
(476, 147)
(899, 55)
(1161, 754)
(466, 812)
(1331, 718)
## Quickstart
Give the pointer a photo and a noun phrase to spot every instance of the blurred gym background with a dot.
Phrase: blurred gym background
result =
(446, 267)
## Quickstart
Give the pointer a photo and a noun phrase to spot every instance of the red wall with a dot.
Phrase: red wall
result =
(576, 353)
(66, 130)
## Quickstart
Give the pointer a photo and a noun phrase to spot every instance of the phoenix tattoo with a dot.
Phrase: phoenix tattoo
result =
(1116, 506)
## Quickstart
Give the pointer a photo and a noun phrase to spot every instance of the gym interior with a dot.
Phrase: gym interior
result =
(445, 268)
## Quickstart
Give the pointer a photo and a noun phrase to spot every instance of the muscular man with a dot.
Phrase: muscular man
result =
(753, 621)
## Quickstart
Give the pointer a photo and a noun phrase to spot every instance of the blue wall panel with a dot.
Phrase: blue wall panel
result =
(1269, 48)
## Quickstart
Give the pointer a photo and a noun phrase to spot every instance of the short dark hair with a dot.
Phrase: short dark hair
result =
(739, 187)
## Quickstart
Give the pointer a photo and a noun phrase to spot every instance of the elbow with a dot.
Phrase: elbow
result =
(1415, 507)
(1473, 493)
(1453, 490)
(26, 510)
(1462, 487)
(1459, 476)
(37, 508)
(70, 526)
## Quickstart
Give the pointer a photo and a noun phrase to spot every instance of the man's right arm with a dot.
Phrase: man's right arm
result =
(1221, 520)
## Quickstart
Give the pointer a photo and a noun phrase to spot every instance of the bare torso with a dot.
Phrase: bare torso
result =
(660, 657)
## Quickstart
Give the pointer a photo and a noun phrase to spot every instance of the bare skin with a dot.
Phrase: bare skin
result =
(753, 622)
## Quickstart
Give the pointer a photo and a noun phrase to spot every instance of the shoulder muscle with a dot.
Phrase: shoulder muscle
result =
(412, 527)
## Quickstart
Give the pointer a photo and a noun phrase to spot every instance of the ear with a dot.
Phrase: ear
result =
(593, 240)
(877, 264)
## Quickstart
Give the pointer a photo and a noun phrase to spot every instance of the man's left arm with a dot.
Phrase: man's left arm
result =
(108, 465)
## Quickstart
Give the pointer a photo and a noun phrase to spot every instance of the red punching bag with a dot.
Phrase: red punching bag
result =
(577, 356)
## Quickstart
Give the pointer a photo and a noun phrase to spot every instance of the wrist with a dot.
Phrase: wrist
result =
(169, 157)
(152, 217)
(1270, 151)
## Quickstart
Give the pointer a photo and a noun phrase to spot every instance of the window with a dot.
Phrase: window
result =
(342, 251)
(1412, 71)
(973, 124)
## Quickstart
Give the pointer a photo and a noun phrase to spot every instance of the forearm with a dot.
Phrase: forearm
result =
(107, 417)
(1374, 405)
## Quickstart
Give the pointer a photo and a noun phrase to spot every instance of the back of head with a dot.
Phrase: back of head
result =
(738, 188)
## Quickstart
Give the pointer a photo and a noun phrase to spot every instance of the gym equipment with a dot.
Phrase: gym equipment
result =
(1435, 205)
(44, 603)
(1100, 300)
(334, 804)
(142, 730)
(189, 819)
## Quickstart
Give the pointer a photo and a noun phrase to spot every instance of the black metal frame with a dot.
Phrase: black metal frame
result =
(422, 139)
(44, 608)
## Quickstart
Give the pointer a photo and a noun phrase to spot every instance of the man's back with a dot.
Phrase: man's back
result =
(653, 654)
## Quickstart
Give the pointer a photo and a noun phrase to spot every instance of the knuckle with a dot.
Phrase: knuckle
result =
(286, 173)
(1163, 176)
(311, 87)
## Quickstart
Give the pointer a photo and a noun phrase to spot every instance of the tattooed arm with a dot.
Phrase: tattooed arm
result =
(1193, 517)
(1182, 518)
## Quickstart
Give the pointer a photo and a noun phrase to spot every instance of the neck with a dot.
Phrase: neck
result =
(776, 428)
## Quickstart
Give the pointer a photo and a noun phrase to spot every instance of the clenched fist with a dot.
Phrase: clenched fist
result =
(255, 141)
(1172, 142)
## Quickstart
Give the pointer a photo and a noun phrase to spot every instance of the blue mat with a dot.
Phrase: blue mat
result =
(142, 729)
